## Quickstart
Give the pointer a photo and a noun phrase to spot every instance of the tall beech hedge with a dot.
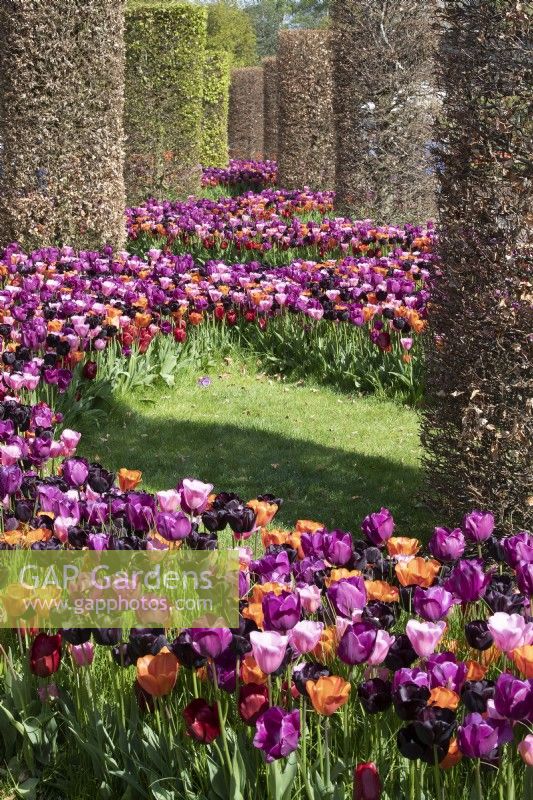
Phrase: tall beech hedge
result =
(306, 141)
(246, 129)
(270, 107)
(165, 53)
(61, 105)
(216, 106)
(478, 421)
(384, 103)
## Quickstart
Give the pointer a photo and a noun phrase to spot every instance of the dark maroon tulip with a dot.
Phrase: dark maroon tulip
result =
(202, 721)
(45, 654)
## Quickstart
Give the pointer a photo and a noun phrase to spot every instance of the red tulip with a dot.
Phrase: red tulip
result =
(90, 368)
(366, 782)
(253, 700)
(202, 721)
(45, 654)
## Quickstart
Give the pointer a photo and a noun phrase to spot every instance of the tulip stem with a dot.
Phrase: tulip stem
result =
(221, 718)
(412, 769)
(327, 775)
(479, 792)
(269, 684)
(303, 729)
(436, 769)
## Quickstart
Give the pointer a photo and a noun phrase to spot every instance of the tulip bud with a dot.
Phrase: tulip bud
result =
(366, 782)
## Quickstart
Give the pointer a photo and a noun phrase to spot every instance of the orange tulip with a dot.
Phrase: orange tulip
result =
(475, 671)
(142, 320)
(261, 589)
(128, 478)
(418, 572)
(273, 537)
(453, 756)
(250, 671)
(327, 644)
(381, 590)
(254, 611)
(403, 546)
(523, 658)
(195, 318)
(443, 698)
(489, 656)
(295, 541)
(157, 674)
(264, 512)
(328, 694)
(308, 526)
(340, 573)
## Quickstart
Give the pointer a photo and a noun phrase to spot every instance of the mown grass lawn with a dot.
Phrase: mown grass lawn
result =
(331, 456)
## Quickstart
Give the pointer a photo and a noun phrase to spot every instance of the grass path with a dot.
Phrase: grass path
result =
(331, 457)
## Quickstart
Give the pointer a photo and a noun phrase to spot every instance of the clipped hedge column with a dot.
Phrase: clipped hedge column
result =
(246, 113)
(61, 104)
(306, 142)
(384, 104)
(165, 52)
(270, 107)
(216, 106)
(478, 422)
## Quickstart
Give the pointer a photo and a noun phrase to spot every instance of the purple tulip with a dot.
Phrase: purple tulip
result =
(211, 642)
(98, 541)
(513, 698)
(524, 578)
(357, 643)
(75, 472)
(467, 581)
(277, 733)
(443, 670)
(281, 612)
(10, 480)
(478, 525)
(447, 544)
(432, 604)
(477, 737)
(172, 526)
(338, 548)
(518, 549)
(272, 567)
(378, 527)
(347, 595)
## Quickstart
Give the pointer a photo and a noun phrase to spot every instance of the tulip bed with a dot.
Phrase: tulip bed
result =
(361, 666)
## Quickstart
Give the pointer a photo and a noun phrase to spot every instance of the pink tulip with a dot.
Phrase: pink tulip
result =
(381, 648)
(195, 493)
(305, 636)
(424, 636)
(510, 631)
(525, 748)
(169, 500)
(82, 654)
(268, 649)
(310, 598)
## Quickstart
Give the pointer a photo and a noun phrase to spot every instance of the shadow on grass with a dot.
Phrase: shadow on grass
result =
(335, 486)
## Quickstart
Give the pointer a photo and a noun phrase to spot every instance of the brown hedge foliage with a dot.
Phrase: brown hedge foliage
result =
(477, 426)
(306, 140)
(61, 105)
(270, 68)
(384, 104)
(246, 113)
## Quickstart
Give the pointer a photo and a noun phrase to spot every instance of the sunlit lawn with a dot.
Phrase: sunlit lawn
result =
(332, 457)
